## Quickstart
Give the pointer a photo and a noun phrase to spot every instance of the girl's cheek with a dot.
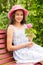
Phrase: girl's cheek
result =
(16, 17)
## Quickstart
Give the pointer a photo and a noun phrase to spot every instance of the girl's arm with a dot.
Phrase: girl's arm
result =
(11, 47)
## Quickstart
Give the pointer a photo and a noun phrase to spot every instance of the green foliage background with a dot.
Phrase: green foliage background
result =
(35, 8)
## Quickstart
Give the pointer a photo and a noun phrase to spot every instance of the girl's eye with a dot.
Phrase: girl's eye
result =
(17, 14)
(21, 14)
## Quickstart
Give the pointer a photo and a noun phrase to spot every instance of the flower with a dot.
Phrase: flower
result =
(30, 32)
(29, 25)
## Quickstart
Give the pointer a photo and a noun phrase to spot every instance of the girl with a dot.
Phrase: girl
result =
(23, 50)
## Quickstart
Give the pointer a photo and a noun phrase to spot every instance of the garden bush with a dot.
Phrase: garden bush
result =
(35, 8)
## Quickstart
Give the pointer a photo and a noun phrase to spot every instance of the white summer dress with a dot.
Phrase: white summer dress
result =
(24, 55)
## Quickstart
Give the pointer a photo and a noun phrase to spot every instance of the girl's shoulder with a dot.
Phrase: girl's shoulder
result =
(10, 28)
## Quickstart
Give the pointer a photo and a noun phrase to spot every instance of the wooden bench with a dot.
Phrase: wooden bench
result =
(6, 57)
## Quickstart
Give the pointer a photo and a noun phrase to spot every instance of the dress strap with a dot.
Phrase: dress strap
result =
(25, 25)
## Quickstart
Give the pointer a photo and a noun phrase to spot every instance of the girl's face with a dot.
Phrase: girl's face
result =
(18, 16)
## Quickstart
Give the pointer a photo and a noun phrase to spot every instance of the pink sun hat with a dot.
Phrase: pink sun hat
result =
(17, 7)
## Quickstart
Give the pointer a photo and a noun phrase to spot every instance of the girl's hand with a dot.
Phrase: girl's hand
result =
(30, 44)
(30, 38)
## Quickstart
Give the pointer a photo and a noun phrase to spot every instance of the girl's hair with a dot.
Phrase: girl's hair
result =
(12, 21)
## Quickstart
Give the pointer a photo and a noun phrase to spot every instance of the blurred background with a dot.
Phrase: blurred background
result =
(35, 8)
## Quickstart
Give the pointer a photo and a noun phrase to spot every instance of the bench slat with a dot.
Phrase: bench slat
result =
(2, 45)
(2, 51)
(5, 55)
(2, 40)
(2, 36)
(12, 63)
(6, 60)
(2, 31)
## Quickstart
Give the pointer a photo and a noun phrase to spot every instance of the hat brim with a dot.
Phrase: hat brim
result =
(12, 10)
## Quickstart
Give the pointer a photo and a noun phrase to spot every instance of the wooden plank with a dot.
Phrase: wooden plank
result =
(11, 63)
(2, 45)
(6, 60)
(2, 31)
(2, 51)
(2, 40)
(2, 35)
(2, 56)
